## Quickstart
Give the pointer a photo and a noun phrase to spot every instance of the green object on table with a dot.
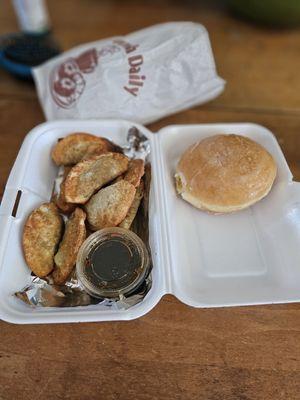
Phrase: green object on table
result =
(271, 12)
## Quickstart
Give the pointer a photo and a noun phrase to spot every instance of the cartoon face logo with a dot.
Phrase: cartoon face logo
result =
(67, 82)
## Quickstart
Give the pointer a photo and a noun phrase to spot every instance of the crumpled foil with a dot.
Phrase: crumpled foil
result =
(43, 293)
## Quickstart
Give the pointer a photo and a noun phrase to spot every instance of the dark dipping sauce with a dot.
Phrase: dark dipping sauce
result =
(112, 263)
(115, 264)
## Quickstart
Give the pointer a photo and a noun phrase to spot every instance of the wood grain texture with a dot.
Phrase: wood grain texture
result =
(175, 351)
(260, 65)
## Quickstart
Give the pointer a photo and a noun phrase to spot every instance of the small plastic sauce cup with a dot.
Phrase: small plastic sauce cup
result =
(112, 262)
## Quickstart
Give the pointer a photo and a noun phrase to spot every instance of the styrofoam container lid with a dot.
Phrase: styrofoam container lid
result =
(250, 257)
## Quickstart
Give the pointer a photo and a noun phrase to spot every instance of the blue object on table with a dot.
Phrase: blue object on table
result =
(21, 51)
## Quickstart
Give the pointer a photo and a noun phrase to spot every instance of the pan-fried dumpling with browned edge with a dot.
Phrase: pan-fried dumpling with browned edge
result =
(59, 198)
(71, 149)
(136, 170)
(41, 235)
(90, 175)
(127, 221)
(96, 151)
(110, 205)
(73, 238)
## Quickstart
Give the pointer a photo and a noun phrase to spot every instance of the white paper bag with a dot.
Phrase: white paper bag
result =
(142, 77)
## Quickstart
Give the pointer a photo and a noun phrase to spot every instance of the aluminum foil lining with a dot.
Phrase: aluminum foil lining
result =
(43, 293)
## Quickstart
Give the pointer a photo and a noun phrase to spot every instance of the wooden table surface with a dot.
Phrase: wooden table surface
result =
(175, 351)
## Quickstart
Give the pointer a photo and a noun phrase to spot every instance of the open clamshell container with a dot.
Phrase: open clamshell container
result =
(250, 257)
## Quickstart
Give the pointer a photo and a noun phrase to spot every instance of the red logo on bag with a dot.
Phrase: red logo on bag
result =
(67, 80)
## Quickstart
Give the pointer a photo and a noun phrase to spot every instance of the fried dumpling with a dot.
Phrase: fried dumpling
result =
(41, 235)
(74, 236)
(136, 170)
(59, 198)
(110, 205)
(90, 175)
(127, 221)
(72, 148)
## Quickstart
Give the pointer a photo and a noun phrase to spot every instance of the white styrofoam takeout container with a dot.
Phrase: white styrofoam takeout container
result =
(250, 257)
